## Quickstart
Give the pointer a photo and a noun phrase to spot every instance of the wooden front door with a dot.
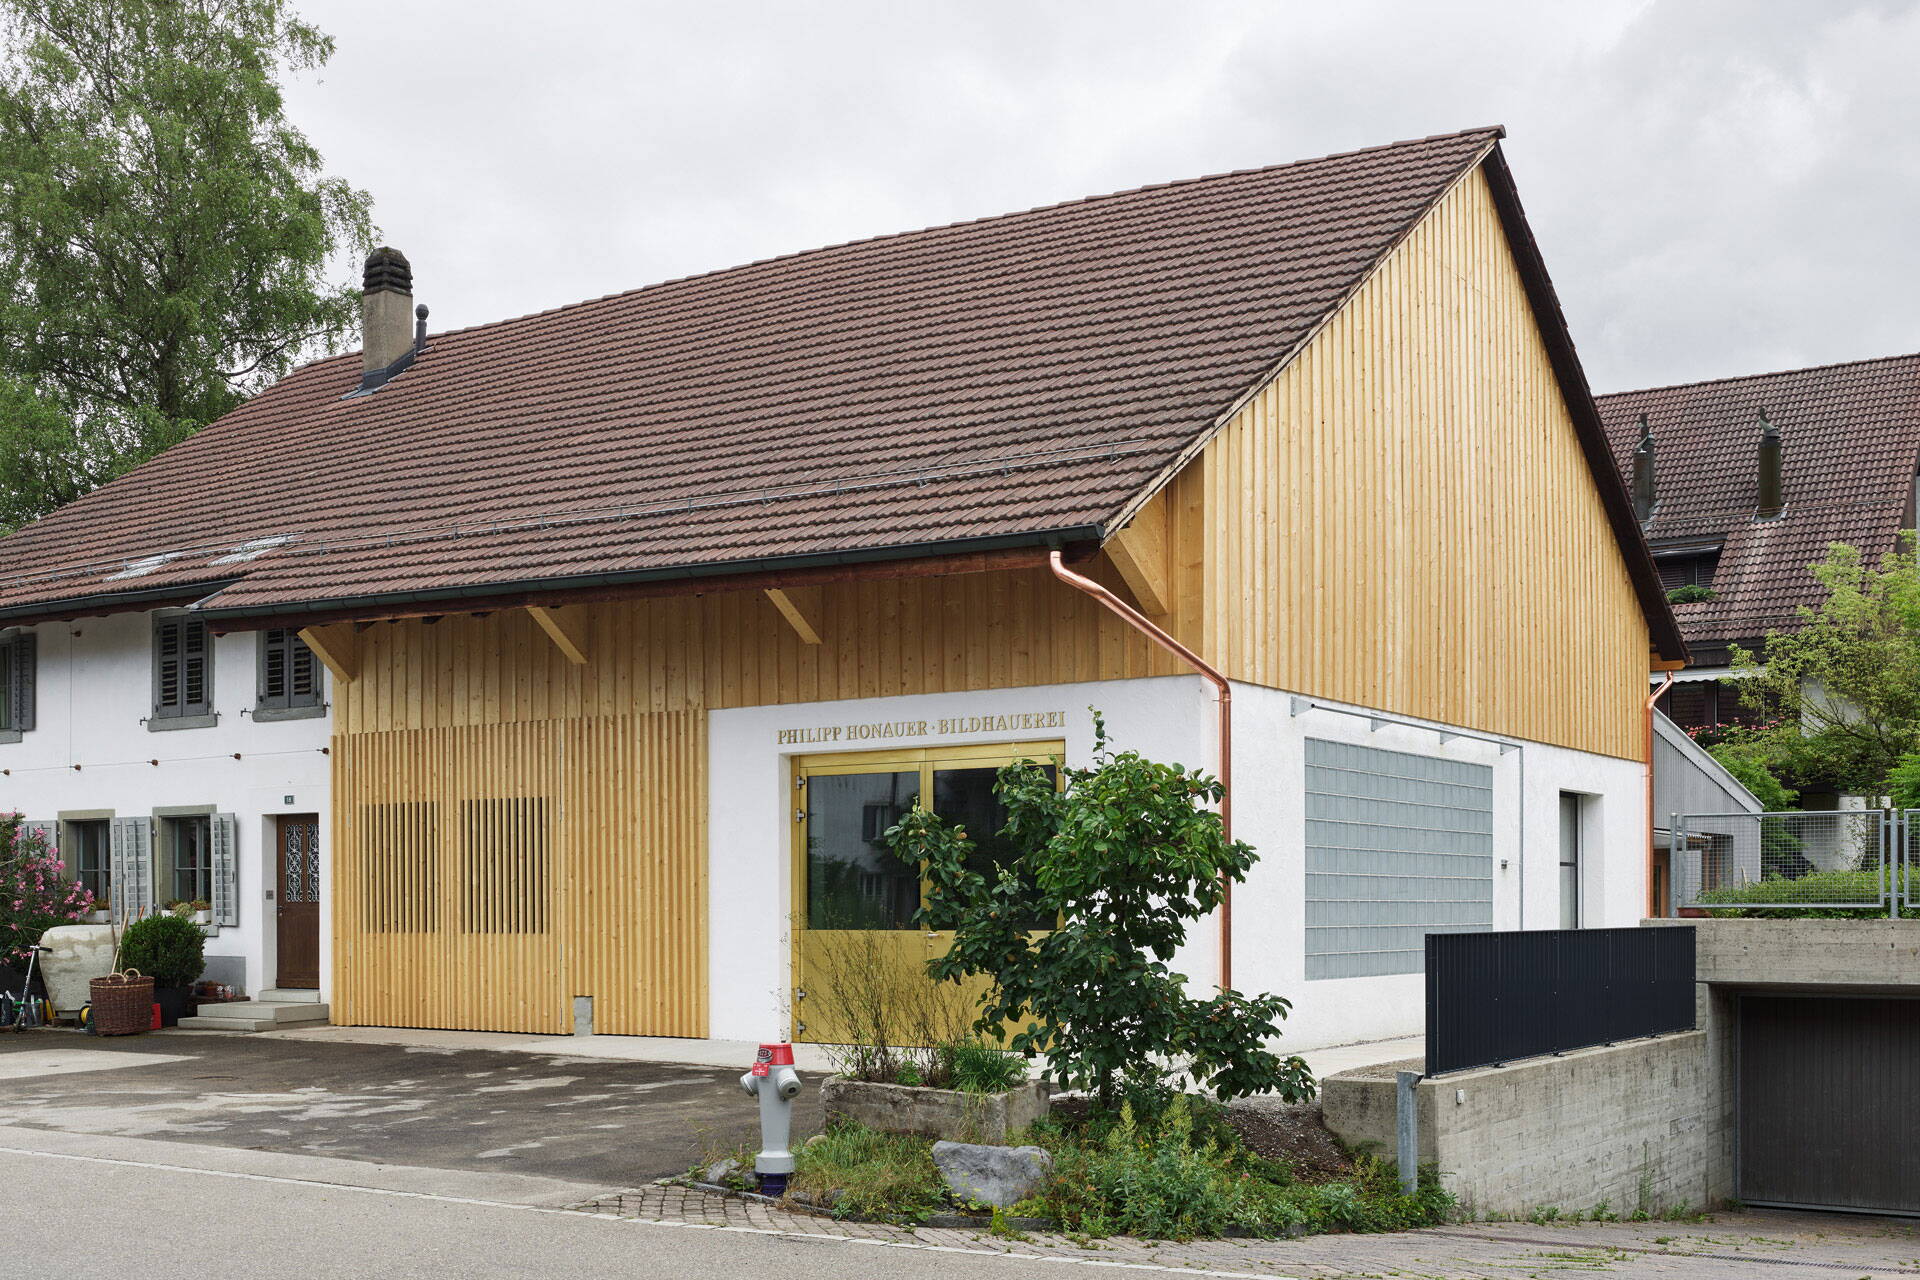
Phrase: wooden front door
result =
(298, 930)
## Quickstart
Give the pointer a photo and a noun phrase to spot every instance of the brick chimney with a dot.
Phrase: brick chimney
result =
(386, 308)
(1644, 493)
(1772, 495)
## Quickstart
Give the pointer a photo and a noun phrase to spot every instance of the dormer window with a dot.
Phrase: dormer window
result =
(1694, 569)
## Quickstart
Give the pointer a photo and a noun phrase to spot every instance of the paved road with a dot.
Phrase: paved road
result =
(178, 1155)
(97, 1218)
(612, 1124)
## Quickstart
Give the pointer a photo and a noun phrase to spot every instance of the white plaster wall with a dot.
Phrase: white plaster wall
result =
(1270, 813)
(95, 689)
(1169, 718)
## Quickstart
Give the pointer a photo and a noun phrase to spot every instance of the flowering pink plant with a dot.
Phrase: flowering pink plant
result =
(36, 893)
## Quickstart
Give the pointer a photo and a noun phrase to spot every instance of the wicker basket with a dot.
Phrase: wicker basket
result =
(122, 1003)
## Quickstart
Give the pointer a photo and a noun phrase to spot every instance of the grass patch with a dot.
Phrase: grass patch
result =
(857, 1172)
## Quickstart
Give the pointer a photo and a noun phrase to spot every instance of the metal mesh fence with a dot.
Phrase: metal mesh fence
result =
(1775, 861)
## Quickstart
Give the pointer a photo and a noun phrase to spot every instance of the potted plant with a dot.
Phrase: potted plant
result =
(171, 950)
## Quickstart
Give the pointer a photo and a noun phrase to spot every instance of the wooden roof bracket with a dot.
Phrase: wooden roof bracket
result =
(568, 634)
(337, 647)
(800, 606)
(1139, 552)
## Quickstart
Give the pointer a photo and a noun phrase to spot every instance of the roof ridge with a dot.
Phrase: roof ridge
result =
(1496, 131)
(1754, 377)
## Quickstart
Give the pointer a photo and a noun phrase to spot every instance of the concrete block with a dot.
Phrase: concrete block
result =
(936, 1113)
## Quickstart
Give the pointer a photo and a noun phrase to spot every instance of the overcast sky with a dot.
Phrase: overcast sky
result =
(1719, 187)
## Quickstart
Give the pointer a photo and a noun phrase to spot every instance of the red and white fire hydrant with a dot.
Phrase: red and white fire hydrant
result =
(774, 1081)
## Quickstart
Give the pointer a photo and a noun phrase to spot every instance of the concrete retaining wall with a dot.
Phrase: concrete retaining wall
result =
(1634, 1126)
(1879, 955)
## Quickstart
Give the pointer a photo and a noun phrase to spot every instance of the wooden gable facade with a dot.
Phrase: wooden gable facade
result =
(1401, 518)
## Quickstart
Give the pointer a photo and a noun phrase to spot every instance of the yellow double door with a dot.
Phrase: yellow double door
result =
(859, 962)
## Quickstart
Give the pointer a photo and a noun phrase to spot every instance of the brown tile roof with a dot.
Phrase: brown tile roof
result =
(1023, 379)
(1851, 442)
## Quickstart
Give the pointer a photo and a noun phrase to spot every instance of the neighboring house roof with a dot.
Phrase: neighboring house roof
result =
(1020, 380)
(1850, 435)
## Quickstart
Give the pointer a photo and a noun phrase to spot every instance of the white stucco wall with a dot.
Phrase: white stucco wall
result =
(94, 691)
(1169, 719)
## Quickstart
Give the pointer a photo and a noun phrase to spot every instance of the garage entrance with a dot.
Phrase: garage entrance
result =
(1829, 1102)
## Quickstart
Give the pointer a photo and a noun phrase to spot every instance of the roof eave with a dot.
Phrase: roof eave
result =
(690, 578)
(93, 606)
(1663, 629)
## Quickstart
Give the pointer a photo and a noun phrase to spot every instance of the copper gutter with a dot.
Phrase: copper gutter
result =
(1223, 702)
(1653, 900)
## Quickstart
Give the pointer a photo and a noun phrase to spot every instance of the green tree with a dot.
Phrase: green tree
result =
(1840, 697)
(164, 231)
(1748, 762)
(1122, 857)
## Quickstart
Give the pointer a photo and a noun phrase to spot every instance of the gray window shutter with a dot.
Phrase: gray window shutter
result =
(24, 648)
(50, 831)
(182, 667)
(226, 869)
(131, 856)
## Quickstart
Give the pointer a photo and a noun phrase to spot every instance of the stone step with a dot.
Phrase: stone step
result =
(290, 995)
(229, 1024)
(254, 1015)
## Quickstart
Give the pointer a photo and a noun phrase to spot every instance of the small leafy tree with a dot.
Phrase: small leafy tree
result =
(1842, 693)
(1123, 857)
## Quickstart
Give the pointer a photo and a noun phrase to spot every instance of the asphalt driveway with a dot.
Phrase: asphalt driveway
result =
(585, 1120)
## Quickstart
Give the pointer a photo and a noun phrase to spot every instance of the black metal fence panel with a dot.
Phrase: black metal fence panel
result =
(1499, 997)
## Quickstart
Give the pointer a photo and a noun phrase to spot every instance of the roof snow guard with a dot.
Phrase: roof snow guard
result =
(1023, 380)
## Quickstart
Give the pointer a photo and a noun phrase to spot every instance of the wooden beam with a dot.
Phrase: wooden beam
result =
(800, 606)
(568, 634)
(337, 647)
(1139, 552)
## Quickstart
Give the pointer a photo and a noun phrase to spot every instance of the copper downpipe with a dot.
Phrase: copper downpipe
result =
(1223, 702)
(1653, 891)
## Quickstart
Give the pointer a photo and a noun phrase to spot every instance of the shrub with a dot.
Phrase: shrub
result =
(1123, 857)
(1160, 1181)
(1187, 1175)
(1692, 593)
(1744, 761)
(167, 948)
(1863, 887)
(36, 893)
(973, 1067)
(885, 1017)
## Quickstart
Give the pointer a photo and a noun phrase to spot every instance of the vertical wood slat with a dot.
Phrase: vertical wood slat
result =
(562, 858)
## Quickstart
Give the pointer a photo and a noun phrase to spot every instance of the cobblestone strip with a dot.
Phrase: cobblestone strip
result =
(1763, 1246)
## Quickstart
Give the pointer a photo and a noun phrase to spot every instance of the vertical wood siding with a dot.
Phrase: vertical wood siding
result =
(1403, 518)
(485, 875)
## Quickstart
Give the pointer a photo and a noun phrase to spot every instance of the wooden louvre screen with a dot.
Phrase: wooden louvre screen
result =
(503, 878)
(400, 871)
(486, 875)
